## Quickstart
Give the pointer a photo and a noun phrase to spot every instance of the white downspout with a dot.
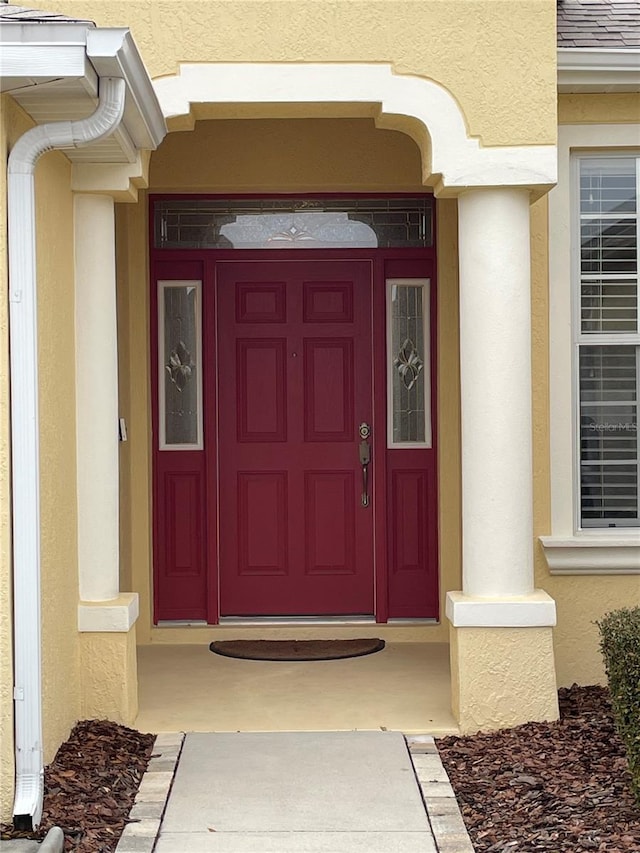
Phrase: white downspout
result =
(25, 471)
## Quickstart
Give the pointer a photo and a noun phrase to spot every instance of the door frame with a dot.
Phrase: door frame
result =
(398, 259)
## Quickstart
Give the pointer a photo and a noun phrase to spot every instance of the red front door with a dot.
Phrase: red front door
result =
(294, 384)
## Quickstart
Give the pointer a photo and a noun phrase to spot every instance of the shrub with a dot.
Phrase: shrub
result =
(620, 647)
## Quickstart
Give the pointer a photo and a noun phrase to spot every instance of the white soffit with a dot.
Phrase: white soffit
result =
(53, 70)
(34, 53)
(592, 70)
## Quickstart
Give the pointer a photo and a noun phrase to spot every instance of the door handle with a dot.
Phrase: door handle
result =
(365, 459)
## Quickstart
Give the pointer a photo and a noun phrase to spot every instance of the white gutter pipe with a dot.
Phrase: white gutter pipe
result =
(25, 472)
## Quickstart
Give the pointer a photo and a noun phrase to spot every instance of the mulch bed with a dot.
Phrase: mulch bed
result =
(90, 786)
(549, 787)
(538, 788)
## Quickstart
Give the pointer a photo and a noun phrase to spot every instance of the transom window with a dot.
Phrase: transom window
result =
(608, 339)
(293, 223)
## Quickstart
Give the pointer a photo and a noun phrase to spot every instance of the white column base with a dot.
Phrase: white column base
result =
(536, 610)
(115, 616)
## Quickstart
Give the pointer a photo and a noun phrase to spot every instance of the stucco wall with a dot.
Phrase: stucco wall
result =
(612, 108)
(582, 599)
(297, 155)
(499, 65)
(294, 155)
(60, 659)
(57, 402)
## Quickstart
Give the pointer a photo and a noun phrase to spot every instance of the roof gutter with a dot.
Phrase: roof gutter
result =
(592, 70)
(25, 454)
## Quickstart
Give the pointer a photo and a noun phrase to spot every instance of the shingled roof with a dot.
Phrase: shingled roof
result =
(10, 13)
(605, 24)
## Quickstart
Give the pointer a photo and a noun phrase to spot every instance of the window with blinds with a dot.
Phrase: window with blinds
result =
(608, 341)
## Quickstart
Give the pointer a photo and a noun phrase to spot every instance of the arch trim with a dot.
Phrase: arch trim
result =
(452, 159)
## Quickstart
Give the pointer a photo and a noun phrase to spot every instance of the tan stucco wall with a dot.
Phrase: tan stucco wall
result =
(60, 655)
(135, 403)
(501, 677)
(582, 599)
(612, 108)
(124, 361)
(298, 155)
(449, 462)
(500, 66)
(57, 404)
(109, 676)
(220, 155)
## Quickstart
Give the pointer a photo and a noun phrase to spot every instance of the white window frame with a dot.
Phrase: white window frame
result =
(571, 549)
(582, 339)
(425, 283)
(162, 286)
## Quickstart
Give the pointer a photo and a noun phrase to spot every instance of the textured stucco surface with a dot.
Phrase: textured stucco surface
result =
(135, 404)
(498, 65)
(580, 600)
(247, 155)
(109, 676)
(60, 656)
(612, 108)
(449, 461)
(502, 677)
(58, 500)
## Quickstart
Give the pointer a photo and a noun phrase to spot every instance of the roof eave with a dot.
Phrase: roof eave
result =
(592, 70)
(33, 54)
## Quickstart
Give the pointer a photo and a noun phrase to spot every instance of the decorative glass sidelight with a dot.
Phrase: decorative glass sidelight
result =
(179, 368)
(293, 223)
(408, 363)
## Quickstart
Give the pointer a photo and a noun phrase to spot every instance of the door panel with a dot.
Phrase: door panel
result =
(294, 382)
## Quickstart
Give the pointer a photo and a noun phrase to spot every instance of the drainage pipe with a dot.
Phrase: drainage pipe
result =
(25, 462)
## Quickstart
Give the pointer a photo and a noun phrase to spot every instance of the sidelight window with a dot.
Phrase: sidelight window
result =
(180, 365)
(408, 363)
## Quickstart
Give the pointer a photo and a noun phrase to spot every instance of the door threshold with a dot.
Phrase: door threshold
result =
(249, 621)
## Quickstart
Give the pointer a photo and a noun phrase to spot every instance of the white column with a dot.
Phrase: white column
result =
(495, 366)
(96, 398)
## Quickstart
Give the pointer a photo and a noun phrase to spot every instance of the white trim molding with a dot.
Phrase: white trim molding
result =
(593, 555)
(451, 159)
(569, 549)
(536, 610)
(598, 70)
(117, 616)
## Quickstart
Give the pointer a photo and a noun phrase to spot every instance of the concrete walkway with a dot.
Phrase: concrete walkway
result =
(295, 792)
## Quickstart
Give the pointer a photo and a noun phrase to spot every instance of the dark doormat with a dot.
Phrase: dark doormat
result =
(296, 649)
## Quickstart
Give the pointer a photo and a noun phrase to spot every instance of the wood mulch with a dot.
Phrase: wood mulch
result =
(538, 788)
(90, 786)
(549, 787)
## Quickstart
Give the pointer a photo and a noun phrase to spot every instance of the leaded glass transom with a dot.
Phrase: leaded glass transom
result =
(279, 223)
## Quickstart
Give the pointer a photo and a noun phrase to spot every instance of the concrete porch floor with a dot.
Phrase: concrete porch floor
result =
(405, 687)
